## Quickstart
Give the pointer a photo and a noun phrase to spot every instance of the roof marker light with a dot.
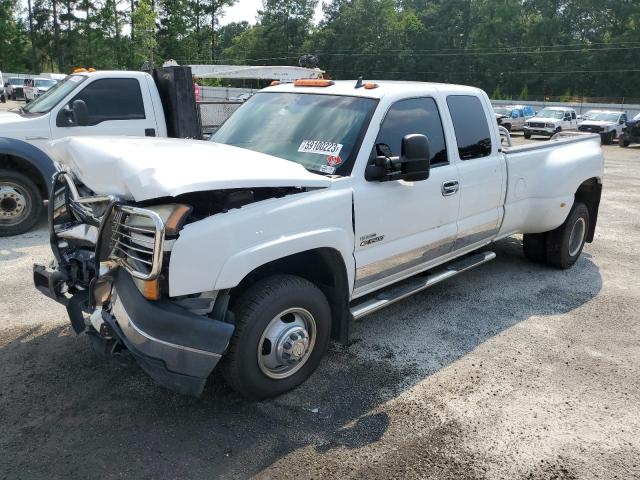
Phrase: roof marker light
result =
(310, 82)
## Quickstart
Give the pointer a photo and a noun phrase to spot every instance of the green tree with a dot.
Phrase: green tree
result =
(144, 18)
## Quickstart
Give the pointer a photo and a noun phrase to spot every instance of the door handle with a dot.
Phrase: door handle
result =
(449, 188)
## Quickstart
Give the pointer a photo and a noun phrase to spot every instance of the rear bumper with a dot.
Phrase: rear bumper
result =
(177, 348)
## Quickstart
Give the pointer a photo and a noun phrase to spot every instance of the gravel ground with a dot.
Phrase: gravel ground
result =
(511, 371)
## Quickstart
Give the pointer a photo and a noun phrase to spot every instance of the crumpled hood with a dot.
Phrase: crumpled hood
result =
(146, 168)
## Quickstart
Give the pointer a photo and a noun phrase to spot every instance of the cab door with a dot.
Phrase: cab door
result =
(116, 106)
(401, 226)
(482, 171)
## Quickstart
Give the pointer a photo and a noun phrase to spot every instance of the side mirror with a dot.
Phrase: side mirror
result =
(413, 164)
(64, 117)
(414, 158)
(80, 113)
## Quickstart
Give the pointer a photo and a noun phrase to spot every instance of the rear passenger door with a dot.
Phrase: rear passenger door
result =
(481, 171)
(400, 226)
(116, 106)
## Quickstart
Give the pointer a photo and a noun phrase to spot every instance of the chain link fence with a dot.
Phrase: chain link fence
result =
(214, 113)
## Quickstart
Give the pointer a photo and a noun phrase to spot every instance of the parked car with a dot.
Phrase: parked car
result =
(33, 88)
(3, 96)
(551, 120)
(307, 209)
(630, 133)
(513, 117)
(607, 123)
(14, 87)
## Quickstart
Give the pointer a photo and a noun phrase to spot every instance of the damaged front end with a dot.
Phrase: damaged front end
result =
(110, 271)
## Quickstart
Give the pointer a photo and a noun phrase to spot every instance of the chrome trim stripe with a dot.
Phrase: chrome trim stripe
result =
(382, 270)
(367, 289)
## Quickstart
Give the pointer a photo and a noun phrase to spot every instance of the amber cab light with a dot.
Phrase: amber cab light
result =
(370, 86)
(274, 83)
(310, 82)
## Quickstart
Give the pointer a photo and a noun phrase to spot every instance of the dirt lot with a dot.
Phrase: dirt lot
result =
(510, 371)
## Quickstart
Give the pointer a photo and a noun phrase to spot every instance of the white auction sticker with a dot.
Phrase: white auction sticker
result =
(327, 169)
(320, 147)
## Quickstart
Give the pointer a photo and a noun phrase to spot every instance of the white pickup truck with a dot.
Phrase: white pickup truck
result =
(315, 203)
(85, 103)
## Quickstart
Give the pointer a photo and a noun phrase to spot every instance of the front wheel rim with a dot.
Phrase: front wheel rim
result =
(286, 343)
(14, 204)
(576, 237)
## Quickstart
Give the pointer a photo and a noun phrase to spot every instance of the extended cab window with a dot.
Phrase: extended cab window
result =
(415, 115)
(470, 125)
(113, 99)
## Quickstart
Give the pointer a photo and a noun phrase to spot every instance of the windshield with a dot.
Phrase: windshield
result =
(54, 95)
(320, 132)
(549, 113)
(45, 82)
(605, 116)
(503, 111)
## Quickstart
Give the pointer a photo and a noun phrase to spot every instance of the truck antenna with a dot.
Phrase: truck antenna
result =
(359, 83)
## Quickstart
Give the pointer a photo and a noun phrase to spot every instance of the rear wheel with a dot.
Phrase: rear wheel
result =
(565, 243)
(507, 126)
(623, 143)
(283, 324)
(20, 203)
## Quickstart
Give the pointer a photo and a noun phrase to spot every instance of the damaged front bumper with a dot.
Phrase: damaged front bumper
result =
(177, 348)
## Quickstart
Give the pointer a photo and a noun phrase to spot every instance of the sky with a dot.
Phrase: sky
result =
(248, 9)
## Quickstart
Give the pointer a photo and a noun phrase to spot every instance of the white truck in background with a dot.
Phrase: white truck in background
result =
(606, 123)
(317, 202)
(123, 103)
(551, 120)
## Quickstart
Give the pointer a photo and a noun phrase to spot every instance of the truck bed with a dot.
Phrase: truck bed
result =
(542, 181)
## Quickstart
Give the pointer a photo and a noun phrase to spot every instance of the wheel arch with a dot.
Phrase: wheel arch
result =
(589, 193)
(27, 159)
(325, 268)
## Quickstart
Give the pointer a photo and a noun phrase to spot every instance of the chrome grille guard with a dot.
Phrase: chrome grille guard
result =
(137, 249)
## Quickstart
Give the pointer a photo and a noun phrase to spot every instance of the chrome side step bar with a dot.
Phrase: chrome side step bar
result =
(401, 290)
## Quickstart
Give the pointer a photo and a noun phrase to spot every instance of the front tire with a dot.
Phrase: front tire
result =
(607, 139)
(283, 325)
(565, 243)
(20, 203)
(527, 135)
(623, 143)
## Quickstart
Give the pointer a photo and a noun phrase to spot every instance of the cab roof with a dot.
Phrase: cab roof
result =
(384, 87)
